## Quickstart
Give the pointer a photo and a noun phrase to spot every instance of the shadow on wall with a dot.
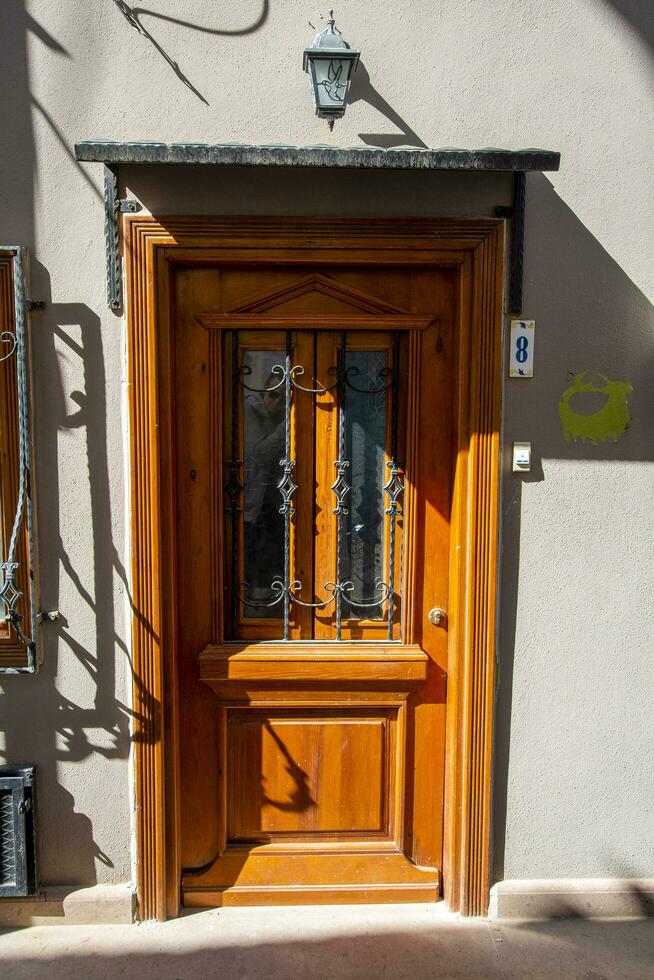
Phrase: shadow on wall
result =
(640, 905)
(39, 722)
(639, 14)
(592, 318)
(17, 160)
(135, 15)
(67, 732)
(362, 89)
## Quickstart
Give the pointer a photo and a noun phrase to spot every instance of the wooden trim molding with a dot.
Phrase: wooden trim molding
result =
(473, 575)
(475, 247)
(323, 321)
(305, 662)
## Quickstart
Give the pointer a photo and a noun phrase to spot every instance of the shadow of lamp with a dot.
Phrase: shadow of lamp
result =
(330, 63)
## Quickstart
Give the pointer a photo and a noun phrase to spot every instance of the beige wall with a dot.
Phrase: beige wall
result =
(574, 734)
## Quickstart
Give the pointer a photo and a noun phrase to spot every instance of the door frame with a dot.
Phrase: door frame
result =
(475, 248)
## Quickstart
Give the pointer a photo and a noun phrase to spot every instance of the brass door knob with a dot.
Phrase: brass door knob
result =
(437, 616)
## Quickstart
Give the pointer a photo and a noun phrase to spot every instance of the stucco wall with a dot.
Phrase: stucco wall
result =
(574, 735)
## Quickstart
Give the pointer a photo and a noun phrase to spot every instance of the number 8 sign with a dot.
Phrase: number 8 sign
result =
(521, 360)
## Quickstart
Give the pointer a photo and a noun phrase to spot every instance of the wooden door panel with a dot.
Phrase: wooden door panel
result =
(312, 765)
(300, 774)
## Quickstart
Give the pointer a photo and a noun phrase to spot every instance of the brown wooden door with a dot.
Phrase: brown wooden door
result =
(312, 464)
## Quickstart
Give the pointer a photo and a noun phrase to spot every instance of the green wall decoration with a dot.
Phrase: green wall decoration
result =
(608, 422)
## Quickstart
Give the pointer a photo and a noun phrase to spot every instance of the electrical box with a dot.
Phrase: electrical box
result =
(18, 877)
(521, 457)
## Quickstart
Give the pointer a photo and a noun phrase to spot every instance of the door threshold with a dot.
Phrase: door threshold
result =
(244, 895)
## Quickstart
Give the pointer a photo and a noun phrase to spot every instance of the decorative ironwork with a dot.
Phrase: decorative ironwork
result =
(111, 238)
(10, 591)
(291, 592)
(234, 486)
(340, 486)
(278, 369)
(287, 487)
(394, 487)
(329, 587)
(297, 371)
(339, 510)
(516, 212)
(113, 206)
(518, 242)
(246, 370)
(7, 337)
(384, 373)
(283, 591)
(275, 586)
(382, 587)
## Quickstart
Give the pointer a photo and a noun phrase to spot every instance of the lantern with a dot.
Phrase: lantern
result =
(330, 64)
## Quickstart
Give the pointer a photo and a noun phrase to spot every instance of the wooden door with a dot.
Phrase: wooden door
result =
(312, 462)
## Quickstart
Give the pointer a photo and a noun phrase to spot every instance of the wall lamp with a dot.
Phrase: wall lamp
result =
(330, 63)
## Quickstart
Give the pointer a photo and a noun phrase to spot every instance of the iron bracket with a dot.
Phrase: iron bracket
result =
(113, 206)
(516, 213)
(49, 616)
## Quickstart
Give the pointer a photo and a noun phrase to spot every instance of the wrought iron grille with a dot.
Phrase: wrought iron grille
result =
(11, 573)
(284, 591)
(7, 838)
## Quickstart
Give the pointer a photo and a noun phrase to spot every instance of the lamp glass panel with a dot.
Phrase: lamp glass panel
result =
(330, 80)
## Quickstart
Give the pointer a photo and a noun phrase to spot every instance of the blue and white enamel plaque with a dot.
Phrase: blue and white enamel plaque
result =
(521, 360)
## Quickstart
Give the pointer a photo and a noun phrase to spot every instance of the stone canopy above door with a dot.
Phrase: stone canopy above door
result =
(416, 159)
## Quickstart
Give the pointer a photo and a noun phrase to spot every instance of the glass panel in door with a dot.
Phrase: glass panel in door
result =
(313, 485)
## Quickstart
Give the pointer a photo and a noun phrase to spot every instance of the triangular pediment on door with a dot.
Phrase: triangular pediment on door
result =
(322, 292)
(317, 302)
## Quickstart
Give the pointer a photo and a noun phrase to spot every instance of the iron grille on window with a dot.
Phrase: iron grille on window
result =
(18, 607)
(262, 484)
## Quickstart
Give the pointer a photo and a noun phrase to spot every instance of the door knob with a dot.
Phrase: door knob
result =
(437, 616)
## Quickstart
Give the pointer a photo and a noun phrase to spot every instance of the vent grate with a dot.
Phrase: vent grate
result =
(7, 839)
(17, 851)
